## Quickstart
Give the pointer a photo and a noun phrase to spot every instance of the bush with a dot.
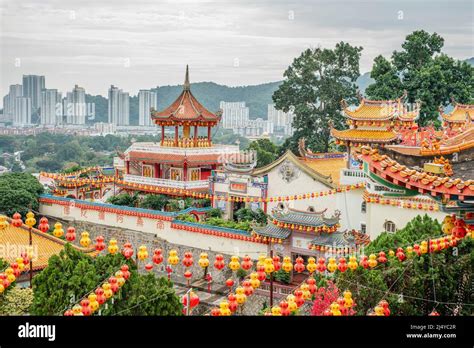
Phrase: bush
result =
(156, 202)
(124, 199)
(19, 192)
(17, 301)
(282, 276)
(214, 212)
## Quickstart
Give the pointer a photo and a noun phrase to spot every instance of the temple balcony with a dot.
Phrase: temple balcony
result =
(189, 185)
(352, 176)
(157, 148)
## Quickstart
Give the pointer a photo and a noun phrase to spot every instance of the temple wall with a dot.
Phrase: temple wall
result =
(378, 214)
(153, 228)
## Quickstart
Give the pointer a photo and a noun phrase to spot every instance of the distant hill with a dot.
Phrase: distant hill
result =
(210, 94)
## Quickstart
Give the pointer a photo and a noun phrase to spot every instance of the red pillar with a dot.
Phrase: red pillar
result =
(195, 135)
(209, 134)
(185, 171)
(162, 135)
(157, 169)
(176, 136)
(127, 167)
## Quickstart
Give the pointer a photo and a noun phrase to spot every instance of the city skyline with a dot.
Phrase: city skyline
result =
(144, 44)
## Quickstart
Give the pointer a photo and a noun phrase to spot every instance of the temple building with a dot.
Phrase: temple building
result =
(179, 164)
(459, 118)
(375, 123)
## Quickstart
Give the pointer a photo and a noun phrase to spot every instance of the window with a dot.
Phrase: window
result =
(363, 207)
(281, 206)
(311, 209)
(389, 226)
(363, 228)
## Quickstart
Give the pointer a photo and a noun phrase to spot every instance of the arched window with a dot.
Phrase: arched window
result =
(363, 207)
(389, 226)
(311, 209)
(280, 206)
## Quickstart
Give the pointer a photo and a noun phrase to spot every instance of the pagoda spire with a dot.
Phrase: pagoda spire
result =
(187, 85)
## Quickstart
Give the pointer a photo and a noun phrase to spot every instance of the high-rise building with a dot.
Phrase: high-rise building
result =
(9, 101)
(33, 85)
(22, 111)
(74, 106)
(282, 121)
(146, 100)
(51, 107)
(234, 114)
(119, 107)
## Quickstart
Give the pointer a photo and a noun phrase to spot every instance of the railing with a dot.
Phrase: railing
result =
(137, 179)
(279, 290)
(354, 173)
(157, 148)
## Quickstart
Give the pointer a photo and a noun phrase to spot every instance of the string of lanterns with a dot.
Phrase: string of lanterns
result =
(399, 203)
(92, 302)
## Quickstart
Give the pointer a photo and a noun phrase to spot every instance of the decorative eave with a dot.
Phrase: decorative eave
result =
(288, 155)
(364, 135)
(461, 113)
(445, 188)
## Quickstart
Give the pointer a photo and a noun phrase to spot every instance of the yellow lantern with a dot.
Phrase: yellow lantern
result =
(2, 288)
(107, 290)
(352, 264)
(77, 310)
(348, 301)
(311, 266)
(379, 311)
(261, 260)
(292, 306)
(240, 296)
(120, 278)
(234, 264)
(424, 247)
(287, 266)
(269, 267)
(113, 247)
(9, 274)
(142, 253)
(254, 281)
(276, 311)
(85, 240)
(30, 220)
(173, 258)
(93, 303)
(372, 260)
(58, 230)
(391, 253)
(332, 266)
(334, 308)
(224, 308)
(305, 289)
(3, 222)
(203, 260)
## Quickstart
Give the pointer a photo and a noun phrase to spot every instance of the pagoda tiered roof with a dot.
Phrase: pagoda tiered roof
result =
(461, 113)
(365, 135)
(186, 109)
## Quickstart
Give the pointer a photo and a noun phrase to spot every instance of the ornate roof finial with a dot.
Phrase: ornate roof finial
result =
(187, 85)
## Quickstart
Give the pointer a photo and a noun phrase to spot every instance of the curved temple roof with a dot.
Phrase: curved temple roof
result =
(186, 108)
(460, 114)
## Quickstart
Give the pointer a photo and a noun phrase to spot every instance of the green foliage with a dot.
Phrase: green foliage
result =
(16, 301)
(214, 212)
(314, 85)
(416, 278)
(241, 273)
(186, 217)
(247, 214)
(243, 225)
(19, 192)
(156, 202)
(124, 199)
(282, 276)
(266, 151)
(432, 79)
(72, 275)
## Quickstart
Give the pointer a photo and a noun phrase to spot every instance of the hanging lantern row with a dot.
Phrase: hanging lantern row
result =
(66, 176)
(406, 205)
(331, 249)
(101, 295)
(182, 192)
(214, 232)
(304, 228)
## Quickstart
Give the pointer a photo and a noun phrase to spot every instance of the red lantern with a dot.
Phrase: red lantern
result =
(149, 267)
(382, 257)
(233, 305)
(364, 262)
(43, 225)
(434, 313)
(400, 254)
(276, 263)
(188, 275)
(229, 282)
(299, 265)
(125, 272)
(246, 263)
(219, 263)
(157, 257)
(284, 308)
(321, 267)
(100, 295)
(113, 284)
(16, 221)
(86, 310)
(68, 313)
(188, 259)
(215, 312)
(71, 234)
(342, 266)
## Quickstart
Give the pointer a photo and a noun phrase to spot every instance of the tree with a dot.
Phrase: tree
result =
(266, 151)
(71, 275)
(124, 199)
(417, 280)
(16, 301)
(156, 202)
(314, 85)
(433, 79)
(323, 298)
(19, 192)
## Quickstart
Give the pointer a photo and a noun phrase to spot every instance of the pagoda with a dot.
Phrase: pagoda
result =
(181, 164)
(375, 122)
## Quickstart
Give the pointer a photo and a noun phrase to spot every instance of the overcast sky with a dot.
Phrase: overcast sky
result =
(145, 43)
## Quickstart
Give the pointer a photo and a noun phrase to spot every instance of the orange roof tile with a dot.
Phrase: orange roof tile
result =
(327, 166)
(365, 135)
(16, 240)
(381, 110)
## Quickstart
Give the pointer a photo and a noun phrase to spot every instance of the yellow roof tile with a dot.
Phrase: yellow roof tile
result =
(365, 135)
(460, 113)
(327, 166)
